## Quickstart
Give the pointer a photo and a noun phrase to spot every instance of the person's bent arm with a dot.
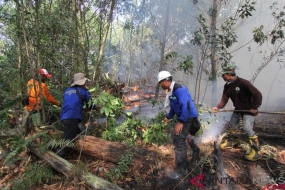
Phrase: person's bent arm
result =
(89, 103)
(48, 95)
(223, 102)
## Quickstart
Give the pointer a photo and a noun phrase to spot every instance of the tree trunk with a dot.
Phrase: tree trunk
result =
(38, 61)
(100, 56)
(213, 53)
(113, 151)
(163, 43)
(75, 34)
(84, 38)
(130, 57)
(64, 167)
(20, 66)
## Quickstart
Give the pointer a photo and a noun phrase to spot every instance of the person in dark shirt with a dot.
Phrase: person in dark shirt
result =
(75, 97)
(181, 105)
(244, 97)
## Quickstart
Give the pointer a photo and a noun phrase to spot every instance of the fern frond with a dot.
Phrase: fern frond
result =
(78, 170)
(36, 118)
(34, 173)
(18, 142)
(54, 143)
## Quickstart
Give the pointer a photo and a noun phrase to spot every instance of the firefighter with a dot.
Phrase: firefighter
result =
(37, 88)
(181, 105)
(244, 97)
(75, 98)
(33, 91)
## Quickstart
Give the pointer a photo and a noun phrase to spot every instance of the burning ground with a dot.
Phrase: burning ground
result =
(151, 163)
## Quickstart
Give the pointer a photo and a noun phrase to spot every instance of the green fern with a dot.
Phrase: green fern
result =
(77, 170)
(54, 143)
(17, 143)
(34, 173)
(36, 118)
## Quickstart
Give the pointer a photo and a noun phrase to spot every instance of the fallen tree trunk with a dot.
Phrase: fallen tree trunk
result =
(19, 130)
(260, 135)
(3, 153)
(64, 167)
(113, 151)
(269, 136)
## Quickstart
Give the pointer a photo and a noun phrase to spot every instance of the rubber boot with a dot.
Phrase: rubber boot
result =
(62, 152)
(181, 171)
(227, 145)
(195, 150)
(254, 153)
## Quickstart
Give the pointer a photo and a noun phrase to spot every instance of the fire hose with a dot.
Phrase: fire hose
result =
(265, 112)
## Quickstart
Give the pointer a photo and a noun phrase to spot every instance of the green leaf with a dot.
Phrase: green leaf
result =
(92, 89)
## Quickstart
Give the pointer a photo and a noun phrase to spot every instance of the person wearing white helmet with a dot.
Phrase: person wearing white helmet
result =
(182, 105)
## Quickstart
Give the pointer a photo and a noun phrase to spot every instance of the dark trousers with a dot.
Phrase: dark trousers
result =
(71, 128)
(192, 125)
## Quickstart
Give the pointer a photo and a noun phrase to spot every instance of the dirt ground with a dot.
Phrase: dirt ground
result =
(237, 173)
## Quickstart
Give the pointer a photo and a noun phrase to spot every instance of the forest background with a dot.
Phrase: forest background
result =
(131, 41)
(118, 42)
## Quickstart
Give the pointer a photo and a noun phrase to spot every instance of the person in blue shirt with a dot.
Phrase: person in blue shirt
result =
(182, 105)
(75, 97)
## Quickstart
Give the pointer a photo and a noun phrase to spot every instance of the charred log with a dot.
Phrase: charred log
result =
(219, 161)
(268, 136)
(63, 166)
(113, 151)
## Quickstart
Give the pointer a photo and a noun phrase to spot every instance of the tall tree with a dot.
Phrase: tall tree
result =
(163, 43)
(218, 34)
(213, 15)
(102, 43)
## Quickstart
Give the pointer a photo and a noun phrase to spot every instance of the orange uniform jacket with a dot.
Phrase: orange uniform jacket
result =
(34, 95)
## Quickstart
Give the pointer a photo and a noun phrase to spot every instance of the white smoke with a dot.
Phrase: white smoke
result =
(214, 126)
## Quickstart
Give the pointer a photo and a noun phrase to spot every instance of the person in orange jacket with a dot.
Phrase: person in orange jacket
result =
(33, 91)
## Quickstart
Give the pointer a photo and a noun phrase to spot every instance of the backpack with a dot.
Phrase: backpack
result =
(25, 100)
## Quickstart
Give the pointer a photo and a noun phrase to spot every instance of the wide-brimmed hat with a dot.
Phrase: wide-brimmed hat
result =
(44, 73)
(229, 70)
(79, 79)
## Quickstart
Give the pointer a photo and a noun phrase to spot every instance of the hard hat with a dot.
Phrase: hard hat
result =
(163, 75)
(44, 72)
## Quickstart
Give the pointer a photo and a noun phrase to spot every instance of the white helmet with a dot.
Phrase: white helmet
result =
(163, 75)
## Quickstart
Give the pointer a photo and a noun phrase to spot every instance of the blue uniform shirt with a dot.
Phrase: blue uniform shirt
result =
(72, 106)
(181, 104)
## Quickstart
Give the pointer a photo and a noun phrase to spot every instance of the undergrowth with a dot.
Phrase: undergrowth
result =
(156, 131)
(117, 172)
(34, 173)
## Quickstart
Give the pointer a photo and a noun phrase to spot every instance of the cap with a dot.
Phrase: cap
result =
(44, 72)
(79, 79)
(228, 70)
